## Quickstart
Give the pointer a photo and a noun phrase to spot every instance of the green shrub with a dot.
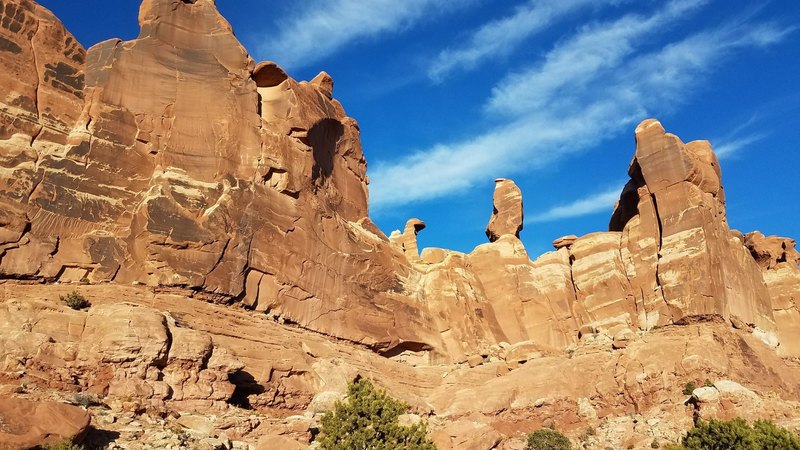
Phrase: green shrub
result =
(547, 439)
(66, 445)
(737, 434)
(369, 420)
(75, 301)
(689, 388)
(768, 435)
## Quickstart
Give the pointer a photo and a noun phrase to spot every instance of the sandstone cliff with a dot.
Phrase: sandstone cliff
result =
(215, 212)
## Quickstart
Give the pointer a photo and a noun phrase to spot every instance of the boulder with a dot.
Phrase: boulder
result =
(280, 443)
(466, 435)
(28, 424)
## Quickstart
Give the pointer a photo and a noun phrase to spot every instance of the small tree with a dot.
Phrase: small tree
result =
(737, 434)
(369, 421)
(547, 439)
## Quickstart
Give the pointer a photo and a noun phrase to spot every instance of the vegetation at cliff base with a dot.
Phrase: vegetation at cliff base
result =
(547, 439)
(737, 434)
(66, 445)
(368, 420)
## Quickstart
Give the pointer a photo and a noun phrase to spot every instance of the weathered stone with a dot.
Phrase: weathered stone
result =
(407, 240)
(280, 443)
(212, 174)
(219, 183)
(466, 435)
(706, 394)
(30, 424)
(778, 260)
(564, 241)
(508, 216)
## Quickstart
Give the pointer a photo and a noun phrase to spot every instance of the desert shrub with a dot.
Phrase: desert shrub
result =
(737, 434)
(75, 300)
(369, 420)
(547, 439)
(689, 388)
(85, 399)
(66, 445)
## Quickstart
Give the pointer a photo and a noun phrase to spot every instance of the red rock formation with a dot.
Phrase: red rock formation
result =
(406, 241)
(778, 260)
(507, 217)
(182, 164)
(690, 262)
(28, 424)
(669, 256)
(233, 179)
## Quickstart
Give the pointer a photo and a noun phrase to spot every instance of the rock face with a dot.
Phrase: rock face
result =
(669, 257)
(173, 160)
(120, 349)
(778, 260)
(633, 392)
(28, 424)
(507, 217)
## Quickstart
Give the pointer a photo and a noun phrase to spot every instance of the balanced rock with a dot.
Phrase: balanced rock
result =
(407, 240)
(565, 241)
(508, 216)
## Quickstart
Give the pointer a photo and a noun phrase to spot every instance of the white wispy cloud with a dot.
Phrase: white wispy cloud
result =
(601, 104)
(739, 138)
(728, 148)
(580, 60)
(595, 203)
(322, 27)
(499, 37)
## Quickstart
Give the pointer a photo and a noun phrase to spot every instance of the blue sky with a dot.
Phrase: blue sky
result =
(451, 94)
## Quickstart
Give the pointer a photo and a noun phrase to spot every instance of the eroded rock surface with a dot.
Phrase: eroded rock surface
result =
(288, 374)
(778, 260)
(29, 424)
(231, 178)
(174, 160)
(507, 216)
(216, 212)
